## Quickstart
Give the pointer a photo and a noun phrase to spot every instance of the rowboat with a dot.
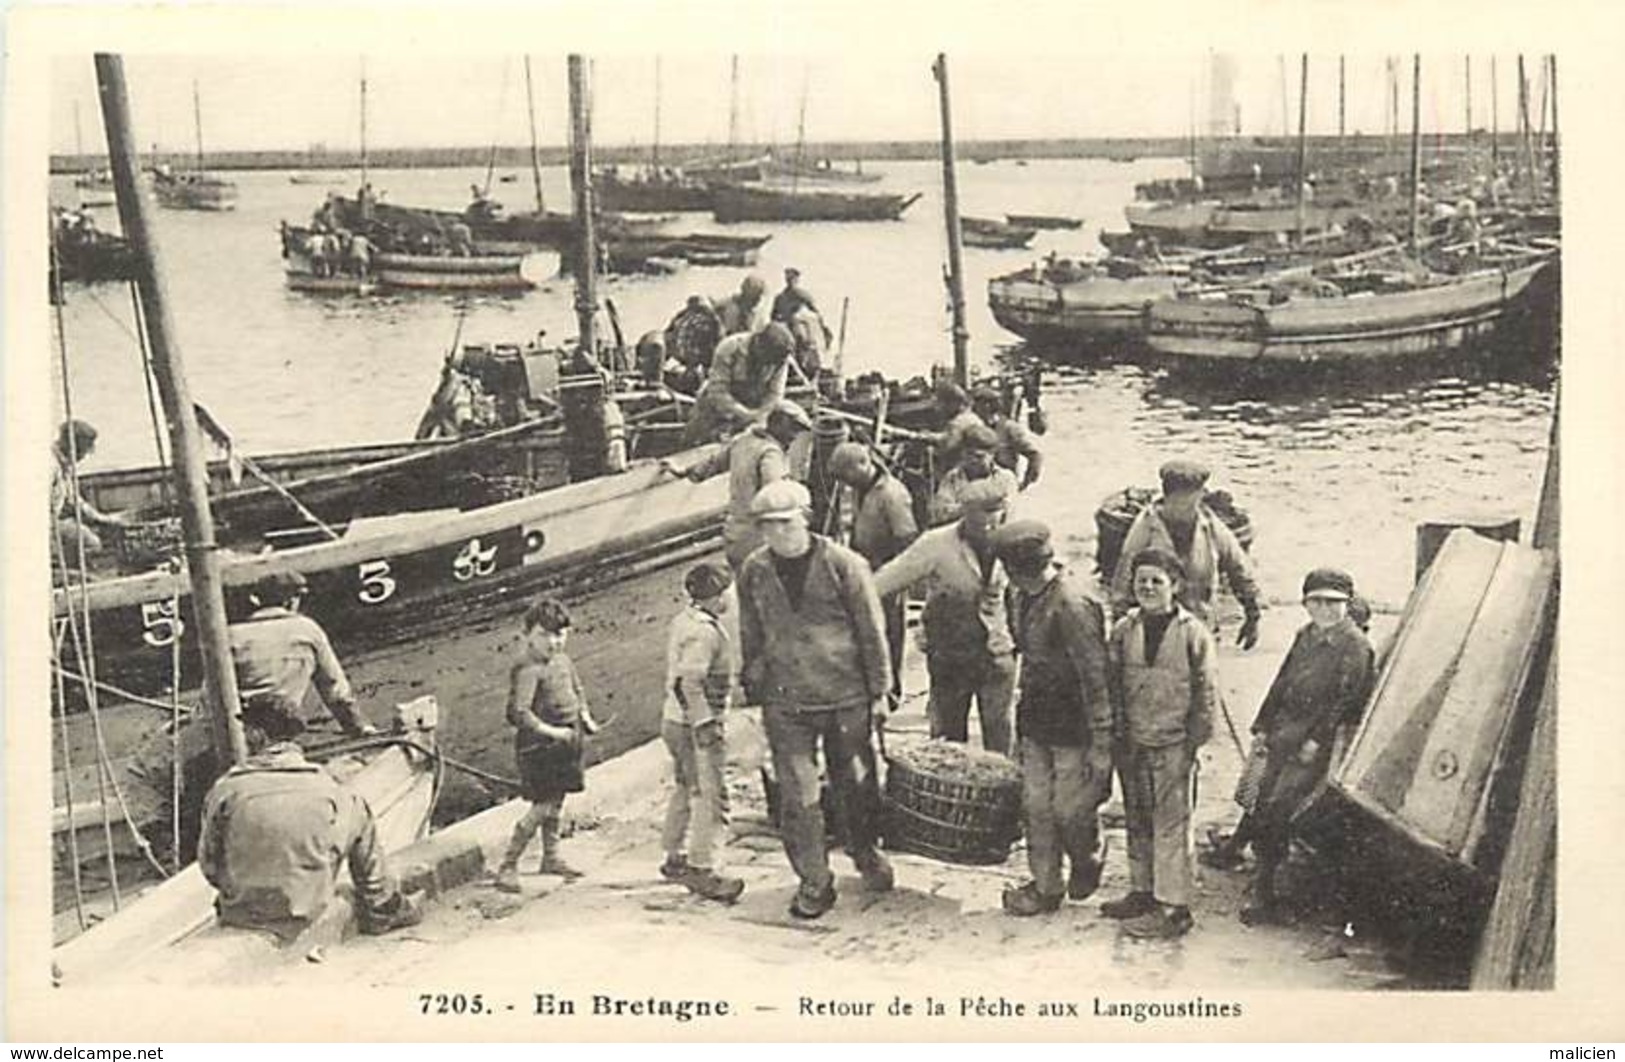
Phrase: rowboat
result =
(994, 234)
(761, 203)
(1355, 318)
(171, 926)
(1044, 221)
(401, 271)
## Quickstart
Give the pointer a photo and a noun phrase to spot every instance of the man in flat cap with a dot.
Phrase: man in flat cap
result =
(749, 372)
(968, 649)
(1323, 684)
(1063, 719)
(753, 459)
(1181, 524)
(814, 650)
(954, 411)
(882, 527)
(977, 446)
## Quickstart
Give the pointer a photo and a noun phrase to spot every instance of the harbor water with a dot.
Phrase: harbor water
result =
(1332, 473)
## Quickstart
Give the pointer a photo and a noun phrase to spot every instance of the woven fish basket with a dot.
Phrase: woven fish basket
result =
(950, 803)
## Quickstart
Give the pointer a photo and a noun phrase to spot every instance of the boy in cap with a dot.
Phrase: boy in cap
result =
(1323, 684)
(814, 649)
(1164, 688)
(548, 709)
(753, 459)
(964, 629)
(1063, 719)
(1012, 441)
(882, 527)
(977, 446)
(698, 676)
(1179, 523)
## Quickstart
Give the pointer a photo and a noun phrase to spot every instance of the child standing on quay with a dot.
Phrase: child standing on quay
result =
(698, 675)
(1164, 687)
(547, 706)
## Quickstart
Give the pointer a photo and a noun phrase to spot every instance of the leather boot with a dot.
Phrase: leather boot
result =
(1261, 908)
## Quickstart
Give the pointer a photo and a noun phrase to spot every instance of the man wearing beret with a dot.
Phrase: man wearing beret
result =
(968, 649)
(1179, 523)
(1063, 719)
(814, 649)
(749, 372)
(977, 446)
(753, 459)
(1323, 684)
(882, 527)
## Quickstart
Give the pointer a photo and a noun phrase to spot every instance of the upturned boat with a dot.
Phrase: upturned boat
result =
(995, 234)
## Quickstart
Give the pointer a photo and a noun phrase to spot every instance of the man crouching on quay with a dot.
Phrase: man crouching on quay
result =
(1063, 720)
(1164, 688)
(275, 831)
(813, 644)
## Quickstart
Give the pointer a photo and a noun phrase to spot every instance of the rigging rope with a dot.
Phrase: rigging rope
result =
(185, 711)
(148, 379)
(67, 769)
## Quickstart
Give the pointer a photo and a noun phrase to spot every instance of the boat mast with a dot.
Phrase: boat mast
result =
(1552, 62)
(1495, 121)
(1526, 165)
(197, 124)
(1416, 150)
(1467, 84)
(1303, 140)
(535, 157)
(654, 153)
(733, 107)
(1342, 107)
(363, 123)
(950, 208)
(185, 440)
(580, 183)
(801, 131)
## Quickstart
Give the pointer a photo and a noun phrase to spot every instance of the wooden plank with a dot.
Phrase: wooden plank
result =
(1518, 948)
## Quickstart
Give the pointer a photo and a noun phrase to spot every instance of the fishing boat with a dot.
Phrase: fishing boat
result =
(734, 203)
(1044, 221)
(82, 252)
(197, 189)
(193, 191)
(173, 921)
(1352, 317)
(994, 234)
(317, 178)
(825, 170)
(1076, 305)
(651, 191)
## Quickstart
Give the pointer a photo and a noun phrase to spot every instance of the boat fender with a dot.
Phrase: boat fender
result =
(615, 431)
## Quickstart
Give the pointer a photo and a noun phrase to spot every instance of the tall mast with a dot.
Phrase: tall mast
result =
(654, 155)
(185, 440)
(733, 106)
(1286, 115)
(197, 123)
(1467, 84)
(801, 128)
(950, 208)
(1552, 61)
(1416, 150)
(363, 123)
(1303, 139)
(1526, 162)
(581, 187)
(535, 157)
(1342, 105)
(1495, 120)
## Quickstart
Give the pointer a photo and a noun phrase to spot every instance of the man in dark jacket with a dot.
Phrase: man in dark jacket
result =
(1324, 683)
(813, 646)
(1063, 719)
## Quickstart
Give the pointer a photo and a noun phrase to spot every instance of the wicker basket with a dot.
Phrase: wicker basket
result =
(950, 819)
(142, 545)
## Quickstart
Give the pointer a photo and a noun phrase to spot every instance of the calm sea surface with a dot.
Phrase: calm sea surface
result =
(1331, 475)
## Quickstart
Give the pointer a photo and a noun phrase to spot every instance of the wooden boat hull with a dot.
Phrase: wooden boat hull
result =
(1434, 744)
(735, 203)
(411, 272)
(174, 922)
(207, 193)
(1043, 221)
(652, 197)
(339, 285)
(403, 577)
(1358, 329)
(1086, 311)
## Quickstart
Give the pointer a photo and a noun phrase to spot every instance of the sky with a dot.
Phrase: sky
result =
(251, 102)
